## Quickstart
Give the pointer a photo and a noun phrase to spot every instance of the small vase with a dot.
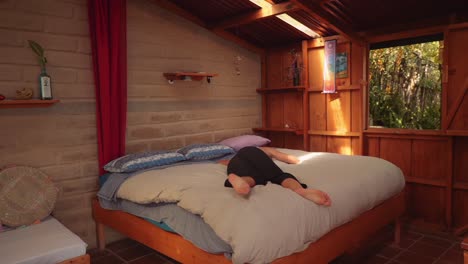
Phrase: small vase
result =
(296, 78)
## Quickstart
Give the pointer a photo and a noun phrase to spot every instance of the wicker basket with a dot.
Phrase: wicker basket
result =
(26, 195)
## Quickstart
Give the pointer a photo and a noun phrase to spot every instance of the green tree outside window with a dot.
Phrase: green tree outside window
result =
(405, 86)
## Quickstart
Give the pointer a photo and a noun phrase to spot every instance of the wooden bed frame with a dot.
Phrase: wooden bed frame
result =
(85, 259)
(342, 239)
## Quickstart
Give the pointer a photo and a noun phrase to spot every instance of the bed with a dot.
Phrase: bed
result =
(367, 194)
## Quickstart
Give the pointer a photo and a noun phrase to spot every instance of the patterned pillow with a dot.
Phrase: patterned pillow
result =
(205, 151)
(140, 161)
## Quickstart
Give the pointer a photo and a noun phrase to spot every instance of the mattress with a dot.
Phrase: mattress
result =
(355, 184)
(44, 243)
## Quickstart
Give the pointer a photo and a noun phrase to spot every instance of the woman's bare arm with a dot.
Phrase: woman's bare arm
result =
(276, 154)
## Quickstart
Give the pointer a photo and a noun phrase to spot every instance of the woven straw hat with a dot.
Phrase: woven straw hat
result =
(26, 195)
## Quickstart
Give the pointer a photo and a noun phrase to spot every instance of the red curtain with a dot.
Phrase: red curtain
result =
(108, 31)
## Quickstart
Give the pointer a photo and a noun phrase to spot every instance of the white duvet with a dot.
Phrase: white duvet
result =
(272, 221)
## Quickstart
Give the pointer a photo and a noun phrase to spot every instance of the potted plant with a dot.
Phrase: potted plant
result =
(44, 79)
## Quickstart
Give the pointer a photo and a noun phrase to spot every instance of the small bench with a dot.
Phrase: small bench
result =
(47, 242)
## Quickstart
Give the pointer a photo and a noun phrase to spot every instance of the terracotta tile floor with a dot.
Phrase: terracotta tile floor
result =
(415, 248)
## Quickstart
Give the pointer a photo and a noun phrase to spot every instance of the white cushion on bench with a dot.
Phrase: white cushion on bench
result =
(47, 242)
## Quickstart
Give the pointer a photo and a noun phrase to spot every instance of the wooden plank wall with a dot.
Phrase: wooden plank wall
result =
(335, 119)
(282, 107)
(435, 163)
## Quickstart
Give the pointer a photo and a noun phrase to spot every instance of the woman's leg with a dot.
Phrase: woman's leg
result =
(240, 184)
(313, 195)
(242, 175)
(263, 166)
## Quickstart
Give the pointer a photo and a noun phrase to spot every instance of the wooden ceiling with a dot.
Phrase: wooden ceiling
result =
(255, 28)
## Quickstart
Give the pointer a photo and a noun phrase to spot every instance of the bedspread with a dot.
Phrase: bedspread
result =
(272, 221)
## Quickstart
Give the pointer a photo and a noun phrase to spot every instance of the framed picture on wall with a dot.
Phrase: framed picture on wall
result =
(341, 65)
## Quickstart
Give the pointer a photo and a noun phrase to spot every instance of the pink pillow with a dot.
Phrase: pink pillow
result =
(244, 141)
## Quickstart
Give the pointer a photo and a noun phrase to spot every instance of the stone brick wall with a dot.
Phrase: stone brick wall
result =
(164, 116)
(61, 140)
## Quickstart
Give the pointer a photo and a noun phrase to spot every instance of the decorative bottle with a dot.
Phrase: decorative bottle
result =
(296, 75)
(45, 85)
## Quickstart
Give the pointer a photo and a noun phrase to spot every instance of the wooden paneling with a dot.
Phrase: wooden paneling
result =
(458, 71)
(317, 116)
(318, 143)
(277, 139)
(427, 164)
(356, 111)
(460, 162)
(373, 147)
(460, 119)
(274, 69)
(426, 203)
(397, 151)
(292, 110)
(339, 111)
(330, 115)
(274, 110)
(292, 141)
(457, 98)
(316, 62)
(341, 145)
(429, 159)
(460, 203)
(356, 146)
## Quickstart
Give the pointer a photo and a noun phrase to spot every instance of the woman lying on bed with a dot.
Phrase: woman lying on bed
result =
(254, 166)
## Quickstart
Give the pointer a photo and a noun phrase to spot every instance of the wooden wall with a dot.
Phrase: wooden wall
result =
(435, 163)
(335, 119)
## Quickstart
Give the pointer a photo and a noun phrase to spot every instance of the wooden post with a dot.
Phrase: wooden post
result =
(101, 238)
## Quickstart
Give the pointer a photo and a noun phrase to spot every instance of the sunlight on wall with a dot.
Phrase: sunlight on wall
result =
(345, 150)
(337, 115)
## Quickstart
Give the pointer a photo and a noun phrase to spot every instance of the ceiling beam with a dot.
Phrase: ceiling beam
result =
(251, 16)
(170, 6)
(314, 9)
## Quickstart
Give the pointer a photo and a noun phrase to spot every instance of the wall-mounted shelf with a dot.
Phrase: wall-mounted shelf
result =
(188, 76)
(297, 131)
(282, 89)
(31, 103)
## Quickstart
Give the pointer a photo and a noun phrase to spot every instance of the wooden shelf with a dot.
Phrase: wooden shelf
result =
(461, 133)
(188, 76)
(278, 129)
(338, 88)
(281, 89)
(430, 182)
(334, 133)
(31, 103)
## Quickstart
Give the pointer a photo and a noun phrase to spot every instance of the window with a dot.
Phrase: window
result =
(405, 83)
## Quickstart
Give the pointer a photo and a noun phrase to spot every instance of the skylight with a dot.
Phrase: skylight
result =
(261, 3)
(298, 25)
(288, 19)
